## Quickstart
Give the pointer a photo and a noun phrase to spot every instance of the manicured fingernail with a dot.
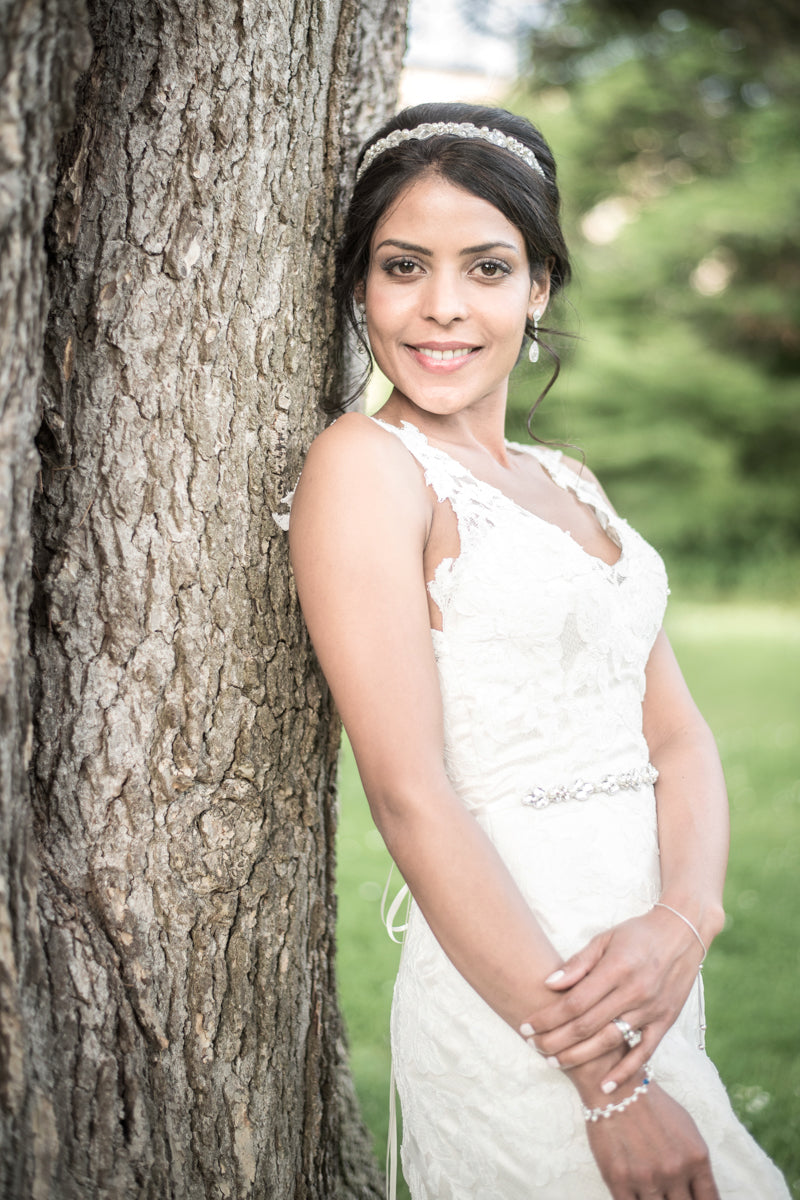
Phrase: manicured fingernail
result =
(533, 1045)
(554, 978)
(608, 1087)
(526, 1030)
(552, 1061)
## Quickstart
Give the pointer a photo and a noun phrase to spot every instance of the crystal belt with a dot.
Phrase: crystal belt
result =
(582, 789)
(579, 789)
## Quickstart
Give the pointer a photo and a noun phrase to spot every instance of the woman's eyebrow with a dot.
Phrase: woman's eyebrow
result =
(405, 246)
(490, 246)
(482, 249)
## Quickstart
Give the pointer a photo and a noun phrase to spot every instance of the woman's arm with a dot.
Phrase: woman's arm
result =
(360, 519)
(693, 822)
(644, 969)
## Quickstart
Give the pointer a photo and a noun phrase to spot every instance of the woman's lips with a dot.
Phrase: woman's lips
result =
(443, 357)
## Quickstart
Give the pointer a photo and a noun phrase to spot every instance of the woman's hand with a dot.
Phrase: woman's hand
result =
(640, 971)
(652, 1150)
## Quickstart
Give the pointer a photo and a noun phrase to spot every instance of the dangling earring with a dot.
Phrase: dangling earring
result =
(533, 352)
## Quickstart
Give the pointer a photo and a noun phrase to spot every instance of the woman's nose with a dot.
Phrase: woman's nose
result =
(444, 298)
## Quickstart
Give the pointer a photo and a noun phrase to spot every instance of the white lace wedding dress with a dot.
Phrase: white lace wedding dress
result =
(541, 661)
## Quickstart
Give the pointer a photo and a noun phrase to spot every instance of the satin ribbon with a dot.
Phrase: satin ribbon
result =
(388, 916)
(701, 1011)
(391, 1143)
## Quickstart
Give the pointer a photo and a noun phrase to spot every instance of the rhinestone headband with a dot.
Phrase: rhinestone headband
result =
(421, 133)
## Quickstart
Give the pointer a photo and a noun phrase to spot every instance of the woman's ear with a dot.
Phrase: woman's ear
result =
(360, 293)
(540, 291)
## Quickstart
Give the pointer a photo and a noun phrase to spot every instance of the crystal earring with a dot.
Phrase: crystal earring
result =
(533, 351)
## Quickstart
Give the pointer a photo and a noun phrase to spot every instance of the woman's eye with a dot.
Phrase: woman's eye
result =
(492, 269)
(401, 266)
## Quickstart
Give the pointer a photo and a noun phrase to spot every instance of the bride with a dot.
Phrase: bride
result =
(491, 632)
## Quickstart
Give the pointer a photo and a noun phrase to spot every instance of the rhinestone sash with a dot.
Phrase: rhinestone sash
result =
(579, 789)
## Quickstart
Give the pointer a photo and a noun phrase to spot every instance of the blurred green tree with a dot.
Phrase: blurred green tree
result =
(679, 165)
(763, 26)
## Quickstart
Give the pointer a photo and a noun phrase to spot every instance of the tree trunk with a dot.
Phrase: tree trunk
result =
(178, 1010)
(42, 49)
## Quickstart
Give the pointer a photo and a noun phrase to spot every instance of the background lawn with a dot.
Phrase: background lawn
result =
(743, 665)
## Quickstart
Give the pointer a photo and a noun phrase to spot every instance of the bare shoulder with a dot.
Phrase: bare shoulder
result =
(356, 444)
(356, 466)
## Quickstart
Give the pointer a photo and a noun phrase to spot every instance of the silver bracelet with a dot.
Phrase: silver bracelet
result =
(686, 921)
(594, 1114)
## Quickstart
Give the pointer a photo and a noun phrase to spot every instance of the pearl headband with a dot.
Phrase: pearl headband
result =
(421, 133)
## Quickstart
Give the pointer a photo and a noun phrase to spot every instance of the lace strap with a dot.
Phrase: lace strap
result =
(556, 465)
(444, 474)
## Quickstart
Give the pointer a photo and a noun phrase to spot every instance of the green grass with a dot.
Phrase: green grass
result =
(367, 959)
(743, 665)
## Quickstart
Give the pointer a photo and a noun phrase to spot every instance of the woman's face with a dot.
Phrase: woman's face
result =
(447, 293)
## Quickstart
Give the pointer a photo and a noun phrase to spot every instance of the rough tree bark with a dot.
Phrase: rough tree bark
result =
(167, 992)
(43, 47)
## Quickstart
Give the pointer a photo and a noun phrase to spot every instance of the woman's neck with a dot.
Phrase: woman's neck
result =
(475, 429)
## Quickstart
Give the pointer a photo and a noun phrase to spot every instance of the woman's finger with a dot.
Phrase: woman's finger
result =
(621, 1190)
(578, 990)
(594, 1020)
(579, 1010)
(578, 965)
(607, 1039)
(585, 1051)
(593, 1029)
(629, 1068)
(703, 1185)
(632, 1065)
(582, 1012)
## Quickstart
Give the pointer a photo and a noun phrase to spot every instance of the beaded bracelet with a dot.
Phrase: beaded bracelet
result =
(593, 1114)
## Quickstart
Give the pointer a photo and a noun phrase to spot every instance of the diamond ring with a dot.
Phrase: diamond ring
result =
(631, 1036)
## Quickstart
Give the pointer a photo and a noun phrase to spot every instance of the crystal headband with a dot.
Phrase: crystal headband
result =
(421, 133)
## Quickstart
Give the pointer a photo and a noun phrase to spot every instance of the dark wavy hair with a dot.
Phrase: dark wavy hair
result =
(526, 200)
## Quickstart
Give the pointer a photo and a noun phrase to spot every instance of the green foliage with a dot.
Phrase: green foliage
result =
(762, 26)
(743, 665)
(679, 167)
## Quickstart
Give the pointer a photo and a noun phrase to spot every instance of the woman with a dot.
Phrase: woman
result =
(491, 633)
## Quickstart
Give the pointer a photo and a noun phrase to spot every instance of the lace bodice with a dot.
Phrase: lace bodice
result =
(537, 635)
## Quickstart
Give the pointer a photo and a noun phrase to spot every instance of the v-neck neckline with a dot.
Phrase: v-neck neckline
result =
(602, 516)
